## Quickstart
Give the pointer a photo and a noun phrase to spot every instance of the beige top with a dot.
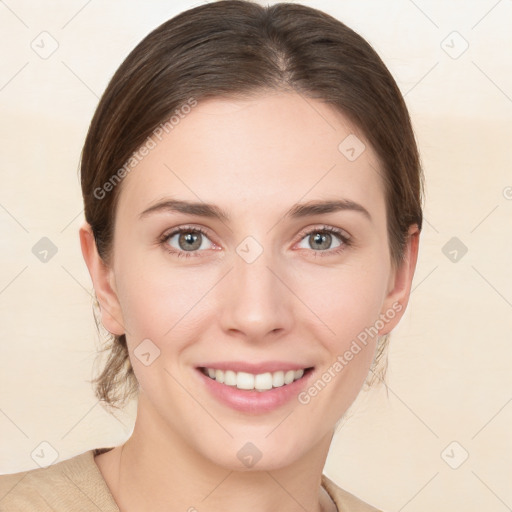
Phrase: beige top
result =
(77, 484)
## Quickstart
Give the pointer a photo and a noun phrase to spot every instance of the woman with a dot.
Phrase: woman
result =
(252, 194)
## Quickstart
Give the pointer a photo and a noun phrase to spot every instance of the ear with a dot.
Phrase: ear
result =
(400, 283)
(103, 281)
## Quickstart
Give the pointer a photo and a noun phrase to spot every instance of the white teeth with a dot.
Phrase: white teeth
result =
(278, 379)
(229, 378)
(244, 380)
(219, 376)
(263, 381)
(259, 382)
(289, 376)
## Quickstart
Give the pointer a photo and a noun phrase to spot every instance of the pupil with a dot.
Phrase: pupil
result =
(190, 240)
(318, 238)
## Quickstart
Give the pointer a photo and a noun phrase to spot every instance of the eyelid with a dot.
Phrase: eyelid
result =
(186, 227)
(324, 227)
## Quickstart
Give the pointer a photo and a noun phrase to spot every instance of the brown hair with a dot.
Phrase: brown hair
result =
(237, 48)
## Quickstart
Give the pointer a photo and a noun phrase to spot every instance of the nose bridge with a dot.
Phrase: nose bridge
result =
(255, 302)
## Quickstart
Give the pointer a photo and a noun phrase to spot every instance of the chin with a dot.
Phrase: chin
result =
(255, 452)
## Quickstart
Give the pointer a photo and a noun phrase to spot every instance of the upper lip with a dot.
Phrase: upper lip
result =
(255, 368)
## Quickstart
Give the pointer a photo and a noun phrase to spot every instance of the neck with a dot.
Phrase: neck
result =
(157, 470)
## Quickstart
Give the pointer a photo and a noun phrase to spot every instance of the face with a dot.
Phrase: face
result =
(252, 279)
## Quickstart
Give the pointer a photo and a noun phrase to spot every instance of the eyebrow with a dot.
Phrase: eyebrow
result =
(297, 211)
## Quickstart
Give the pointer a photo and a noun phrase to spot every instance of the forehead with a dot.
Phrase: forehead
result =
(259, 154)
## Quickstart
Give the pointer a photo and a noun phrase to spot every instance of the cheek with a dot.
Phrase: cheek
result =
(157, 309)
(346, 300)
(157, 301)
(348, 304)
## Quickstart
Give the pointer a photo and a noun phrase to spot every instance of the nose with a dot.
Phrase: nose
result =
(254, 301)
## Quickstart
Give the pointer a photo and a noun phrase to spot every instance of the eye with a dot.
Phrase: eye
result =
(186, 241)
(321, 240)
(189, 241)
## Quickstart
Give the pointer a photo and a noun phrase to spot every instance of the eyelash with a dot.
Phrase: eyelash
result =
(345, 240)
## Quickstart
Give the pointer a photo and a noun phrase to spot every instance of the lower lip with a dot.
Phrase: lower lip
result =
(255, 402)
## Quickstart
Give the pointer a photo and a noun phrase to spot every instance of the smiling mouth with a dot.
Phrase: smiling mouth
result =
(255, 382)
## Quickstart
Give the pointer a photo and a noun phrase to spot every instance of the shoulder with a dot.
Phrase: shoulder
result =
(72, 484)
(345, 502)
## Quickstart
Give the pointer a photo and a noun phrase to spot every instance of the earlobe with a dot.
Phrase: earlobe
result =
(102, 278)
(397, 299)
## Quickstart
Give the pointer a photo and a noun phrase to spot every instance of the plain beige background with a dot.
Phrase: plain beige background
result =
(449, 380)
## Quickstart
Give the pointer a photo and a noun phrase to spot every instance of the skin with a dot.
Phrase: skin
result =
(255, 159)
